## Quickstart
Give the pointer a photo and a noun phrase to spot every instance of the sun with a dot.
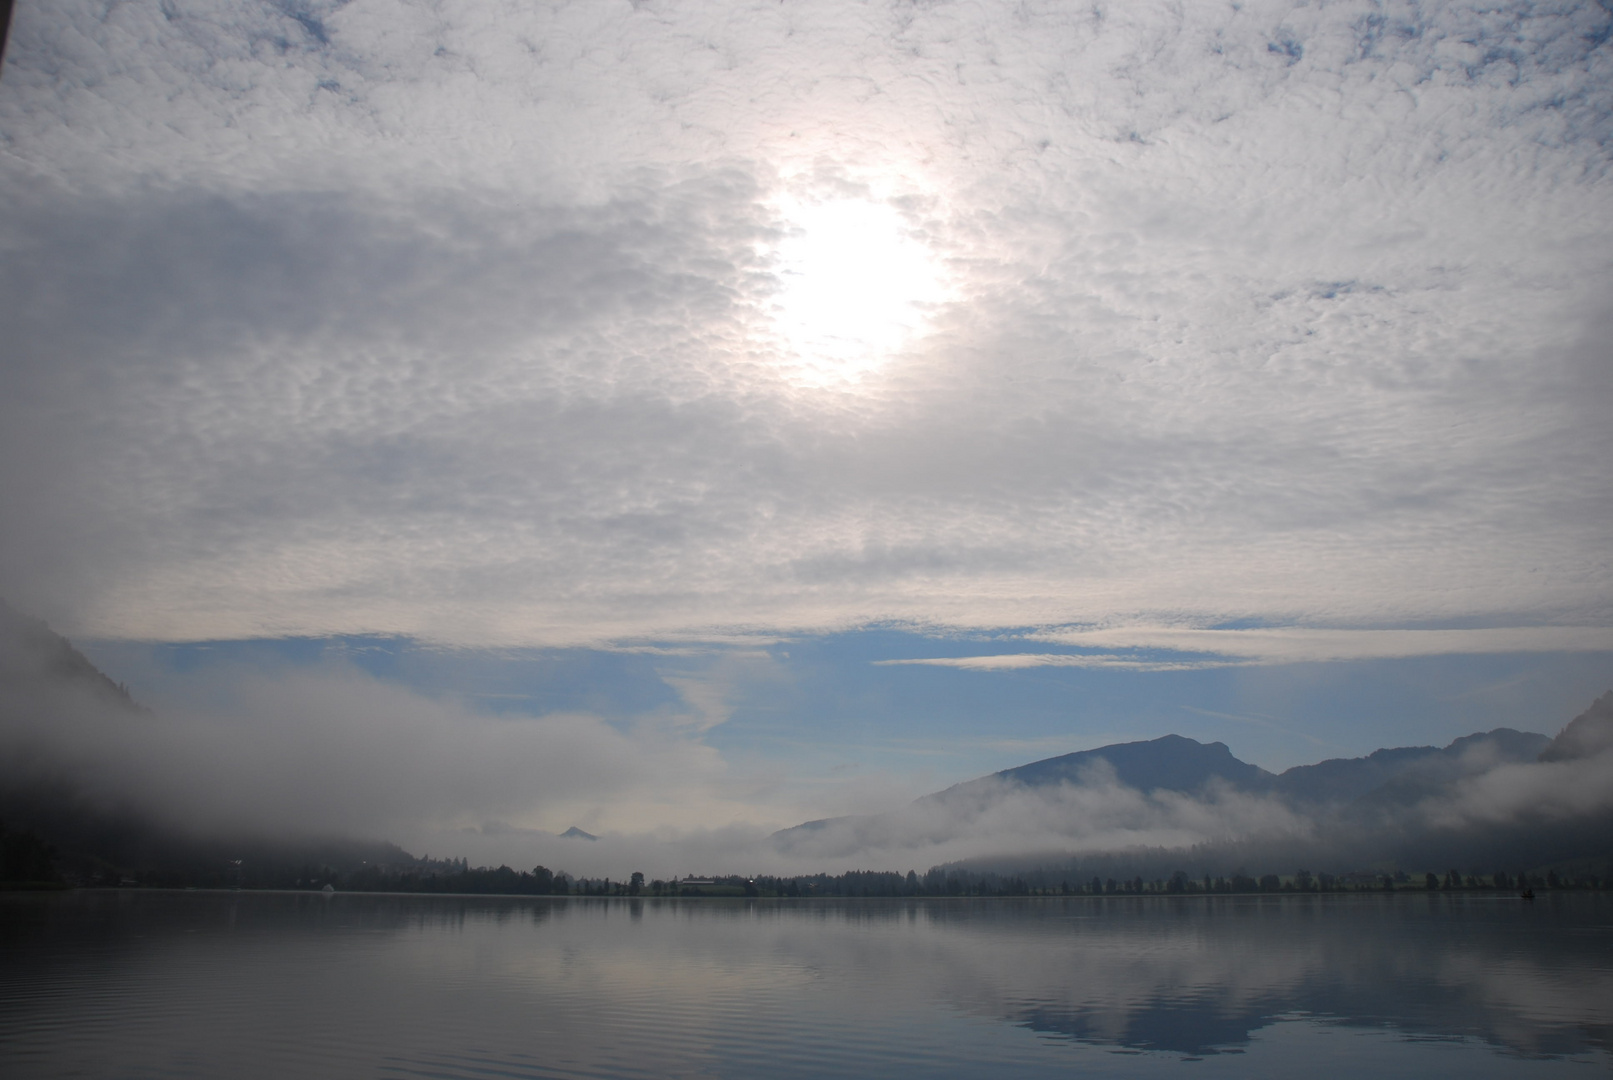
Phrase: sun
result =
(857, 285)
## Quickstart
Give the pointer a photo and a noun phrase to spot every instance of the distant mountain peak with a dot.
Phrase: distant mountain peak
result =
(1170, 762)
(575, 833)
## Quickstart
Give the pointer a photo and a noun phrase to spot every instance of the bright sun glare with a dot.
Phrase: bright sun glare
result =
(856, 286)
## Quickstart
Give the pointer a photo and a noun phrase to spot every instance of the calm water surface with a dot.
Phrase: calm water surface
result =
(144, 983)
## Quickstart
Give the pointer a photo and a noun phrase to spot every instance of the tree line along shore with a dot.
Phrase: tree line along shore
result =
(941, 882)
(25, 863)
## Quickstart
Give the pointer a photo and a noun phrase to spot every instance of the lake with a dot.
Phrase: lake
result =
(136, 983)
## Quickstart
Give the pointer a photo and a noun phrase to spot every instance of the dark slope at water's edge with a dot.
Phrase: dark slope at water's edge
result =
(94, 839)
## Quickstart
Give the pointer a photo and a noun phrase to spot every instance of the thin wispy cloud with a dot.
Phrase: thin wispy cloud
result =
(1191, 649)
(1285, 644)
(1016, 661)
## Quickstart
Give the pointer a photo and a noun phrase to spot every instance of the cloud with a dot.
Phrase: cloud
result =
(1003, 819)
(1192, 649)
(1551, 792)
(329, 751)
(1026, 825)
(709, 692)
(458, 322)
(1016, 661)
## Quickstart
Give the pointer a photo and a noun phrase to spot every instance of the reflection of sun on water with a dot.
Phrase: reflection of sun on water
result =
(855, 287)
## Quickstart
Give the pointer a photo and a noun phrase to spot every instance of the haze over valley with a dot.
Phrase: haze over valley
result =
(117, 787)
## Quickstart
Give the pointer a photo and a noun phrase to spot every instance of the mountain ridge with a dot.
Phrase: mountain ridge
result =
(1175, 763)
(28, 646)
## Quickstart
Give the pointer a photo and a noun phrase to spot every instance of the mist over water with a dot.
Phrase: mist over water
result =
(265, 984)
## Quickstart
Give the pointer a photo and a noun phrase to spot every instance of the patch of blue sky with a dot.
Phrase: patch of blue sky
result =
(612, 685)
(829, 705)
(838, 702)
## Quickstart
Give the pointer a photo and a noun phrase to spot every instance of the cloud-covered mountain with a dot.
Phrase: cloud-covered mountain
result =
(1344, 780)
(1587, 735)
(67, 775)
(1499, 791)
(1170, 763)
(30, 652)
(318, 762)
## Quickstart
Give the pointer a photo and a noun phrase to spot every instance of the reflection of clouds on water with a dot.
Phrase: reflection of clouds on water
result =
(1195, 978)
(1531, 1006)
(594, 988)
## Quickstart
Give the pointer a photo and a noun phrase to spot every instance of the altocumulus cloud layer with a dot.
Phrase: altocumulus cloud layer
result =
(461, 321)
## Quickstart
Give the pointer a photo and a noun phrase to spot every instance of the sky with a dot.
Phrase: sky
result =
(780, 409)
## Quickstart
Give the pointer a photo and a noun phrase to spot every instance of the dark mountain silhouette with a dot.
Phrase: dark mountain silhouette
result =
(575, 833)
(1169, 763)
(5, 26)
(1587, 734)
(1408, 770)
(1342, 780)
(30, 652)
